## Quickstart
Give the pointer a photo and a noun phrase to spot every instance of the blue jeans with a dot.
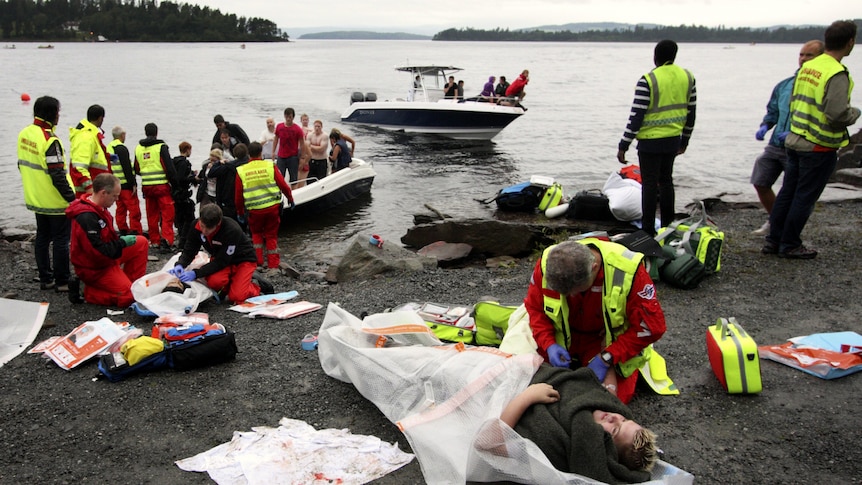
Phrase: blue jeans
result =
(56, 230)
(805, 177)
(289, 167)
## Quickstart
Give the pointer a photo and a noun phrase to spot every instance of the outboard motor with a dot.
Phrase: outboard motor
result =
(356, 97)
(371, 97)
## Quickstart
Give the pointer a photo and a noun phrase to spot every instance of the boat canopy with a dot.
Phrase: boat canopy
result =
(432, 80)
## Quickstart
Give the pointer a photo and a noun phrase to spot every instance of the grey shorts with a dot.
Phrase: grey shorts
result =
(768, 166)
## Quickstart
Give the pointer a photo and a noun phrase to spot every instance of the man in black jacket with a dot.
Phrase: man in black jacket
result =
(235, 130)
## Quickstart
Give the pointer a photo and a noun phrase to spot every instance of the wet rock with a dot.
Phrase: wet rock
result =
(363, 260)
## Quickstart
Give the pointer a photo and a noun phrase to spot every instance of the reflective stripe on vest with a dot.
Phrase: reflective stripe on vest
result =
(117, 167)
(40, 195)
(620, 265)
(258, 184)
(150, 162)
(806, 105)
(670, 91)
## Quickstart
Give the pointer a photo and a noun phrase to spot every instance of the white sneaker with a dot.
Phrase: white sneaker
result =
(763, 231)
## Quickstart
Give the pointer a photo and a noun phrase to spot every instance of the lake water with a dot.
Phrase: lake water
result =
(578, 100)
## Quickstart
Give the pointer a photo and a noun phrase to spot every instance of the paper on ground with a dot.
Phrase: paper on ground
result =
(295, 452)
(284, 311)
(259, 302)
(20, 322)
(84, 342)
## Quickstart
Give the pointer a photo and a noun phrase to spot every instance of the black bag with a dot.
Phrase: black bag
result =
(522, 197)
(202, 351)
(115, 368)
(682, 270)
(590, 205)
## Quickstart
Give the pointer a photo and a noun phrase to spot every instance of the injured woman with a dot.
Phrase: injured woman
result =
(478, 414)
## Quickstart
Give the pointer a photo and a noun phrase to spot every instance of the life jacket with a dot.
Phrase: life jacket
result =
(620, 265)
(150, 162)
(116, 166)
(39, 193)
(259, 189)
(670, 90)
(806, 105)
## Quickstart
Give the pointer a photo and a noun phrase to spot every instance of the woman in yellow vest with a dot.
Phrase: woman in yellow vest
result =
(592, 303)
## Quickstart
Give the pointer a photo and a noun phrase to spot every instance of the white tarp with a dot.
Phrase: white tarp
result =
(20, 322)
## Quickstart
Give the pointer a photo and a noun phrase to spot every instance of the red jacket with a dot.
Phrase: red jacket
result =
(94, 242)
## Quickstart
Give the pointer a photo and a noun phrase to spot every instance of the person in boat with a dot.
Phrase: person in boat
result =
(450, 90)
(303, 161)
(289, 146)
(317, 142)
(502, 86)
(487, 93)
(571, 318)
(340, 154)
(258, 190)
(235, 130)
(516, 89)
(460, 89)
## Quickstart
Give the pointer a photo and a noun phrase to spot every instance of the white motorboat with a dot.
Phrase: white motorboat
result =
(331, 191)
(425, 110)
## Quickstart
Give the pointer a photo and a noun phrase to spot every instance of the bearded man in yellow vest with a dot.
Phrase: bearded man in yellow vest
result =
(259, 185)
(153, 163)
(820, 113)
(593, 304)
(662, 120)
(88, 155)
(47, 192)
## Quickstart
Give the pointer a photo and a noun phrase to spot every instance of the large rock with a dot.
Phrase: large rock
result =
(446, 253)
(362, 260)
(490, 237)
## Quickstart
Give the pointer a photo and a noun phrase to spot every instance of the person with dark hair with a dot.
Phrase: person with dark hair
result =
(224, 173)
(228, 143)
(105, 262)
(230, 273)
(181, 192)
(317, 145)
(153, 163)
(88, 154)
(128, 211)
(820, 113)
(502, 86)
(47, 192)
(340, 154)
(662, 119)
(235, 130)
(593, 304)
(288, 146)
(450, 90)
(259, 186)
(770, 163)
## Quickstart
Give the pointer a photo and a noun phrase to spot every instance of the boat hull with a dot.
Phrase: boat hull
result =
(462, 121)
(332, 191)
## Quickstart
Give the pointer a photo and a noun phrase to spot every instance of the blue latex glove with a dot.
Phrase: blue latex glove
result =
(187, 276)
(599, 367)
(558, 356)
(115, 157)
(782, 136)
(129, 240)
(240, 219)
(761, 132)
(176, 270)
(291, 204)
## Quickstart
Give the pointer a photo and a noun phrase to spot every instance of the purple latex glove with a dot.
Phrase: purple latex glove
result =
(761, 132)
(599, 367)
(782, 136)
(558, 356)
(187, 276)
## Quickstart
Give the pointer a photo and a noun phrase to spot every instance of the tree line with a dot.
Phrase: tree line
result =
(128, 20)
(682, 33)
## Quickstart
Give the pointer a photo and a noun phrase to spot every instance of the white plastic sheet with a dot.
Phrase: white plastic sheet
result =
(149, 293)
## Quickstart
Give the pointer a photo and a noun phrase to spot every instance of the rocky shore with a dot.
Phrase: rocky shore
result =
(65, 427)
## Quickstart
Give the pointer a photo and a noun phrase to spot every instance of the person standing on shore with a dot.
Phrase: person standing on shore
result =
(153, 163)
(820, 113)
(47, 192)
(128, 211)
(770, 163)
(87, 151)
(105, 262)
(181, 192)
(662, 120)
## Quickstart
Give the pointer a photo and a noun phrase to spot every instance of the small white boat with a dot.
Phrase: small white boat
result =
(425, 110)
(331, 191)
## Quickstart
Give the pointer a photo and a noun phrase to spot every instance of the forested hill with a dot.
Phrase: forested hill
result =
(638, 33)
(128, 20)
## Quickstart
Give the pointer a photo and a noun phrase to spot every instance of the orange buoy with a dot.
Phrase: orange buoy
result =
(25, 97)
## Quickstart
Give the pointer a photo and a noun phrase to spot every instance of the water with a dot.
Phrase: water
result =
(578, 99)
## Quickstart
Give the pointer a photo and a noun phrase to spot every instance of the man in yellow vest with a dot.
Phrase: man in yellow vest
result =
(88, 155)
(592, 303)
(662, 120)
(820, 113)
(47, 192)
(153, 164)
(259, 185)
(128, 206)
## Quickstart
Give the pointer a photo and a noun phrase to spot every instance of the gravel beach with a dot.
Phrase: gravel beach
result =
(64, 427)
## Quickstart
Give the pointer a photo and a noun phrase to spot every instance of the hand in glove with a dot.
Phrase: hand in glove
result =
(558, 356)
(599, 367)
(240, 218)
(761, 132)
(129, 240)
(176, 270)
(187, 276)
(291, 204)
(782, 136)
(115, 158)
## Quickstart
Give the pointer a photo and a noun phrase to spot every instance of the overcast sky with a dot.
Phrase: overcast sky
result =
(435, 15)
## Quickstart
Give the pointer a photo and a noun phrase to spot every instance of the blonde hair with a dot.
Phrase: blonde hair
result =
(643, 453)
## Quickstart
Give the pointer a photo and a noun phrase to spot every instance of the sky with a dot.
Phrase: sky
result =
(428, 17)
